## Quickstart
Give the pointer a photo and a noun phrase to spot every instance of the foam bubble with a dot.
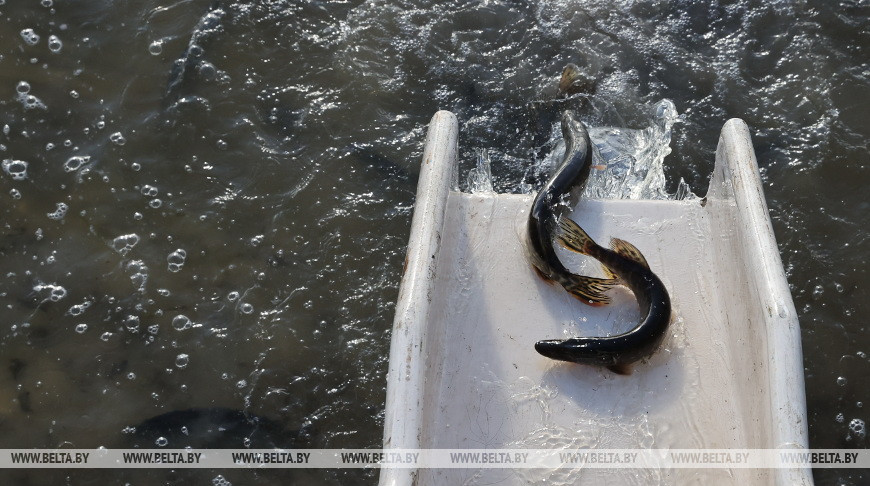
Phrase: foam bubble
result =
(156, 47)
(59, 213)
(161, 442)
(207, 71)
(182, 360)
(181, 322)
(30, 37)
(15, 193)
(117, 138)
(131, 322)
(79, 309)
(138, 273)
(76, 162)
(56, 292)
(17, 169)
(220, 481)
(247, 308)
(54, 44)
(176, 260)
(81, 328)
(857, 428)
(155, 203)
(31, 102)
(149, 191)
(124, 243)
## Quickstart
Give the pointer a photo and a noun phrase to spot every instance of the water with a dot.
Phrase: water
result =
(277, 143)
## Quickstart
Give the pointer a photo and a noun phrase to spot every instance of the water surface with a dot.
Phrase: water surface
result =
(211, 200)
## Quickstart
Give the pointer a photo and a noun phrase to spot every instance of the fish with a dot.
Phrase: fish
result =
(213, 428)
(558, 195)
(572, 92)
(625, 265)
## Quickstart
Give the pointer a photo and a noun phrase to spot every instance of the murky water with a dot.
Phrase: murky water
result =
(205, 204)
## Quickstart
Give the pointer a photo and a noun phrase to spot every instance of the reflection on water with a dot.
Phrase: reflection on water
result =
(205, 204)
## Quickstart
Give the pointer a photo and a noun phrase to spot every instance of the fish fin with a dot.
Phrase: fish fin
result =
(628, 250)
(610, 274)
(590, 290)
(575, 81)
(570, 74)
(573, 237)
(620, 369)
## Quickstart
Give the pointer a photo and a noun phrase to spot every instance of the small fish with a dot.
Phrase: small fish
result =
(574, 81)
(625, 265)
(573, 91)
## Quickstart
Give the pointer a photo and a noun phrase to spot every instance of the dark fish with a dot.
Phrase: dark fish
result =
(575, 81)
(213, 428)
(574, 88)
(625, 265)
(559, 195)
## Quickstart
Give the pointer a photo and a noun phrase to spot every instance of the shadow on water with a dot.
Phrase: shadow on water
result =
(213, 428)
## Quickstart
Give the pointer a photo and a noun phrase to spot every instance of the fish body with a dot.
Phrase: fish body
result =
(625, 265)
(560, 193)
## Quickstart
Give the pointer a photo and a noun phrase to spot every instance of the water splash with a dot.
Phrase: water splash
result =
(629, 163)
(634, 159)
(480, 177)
